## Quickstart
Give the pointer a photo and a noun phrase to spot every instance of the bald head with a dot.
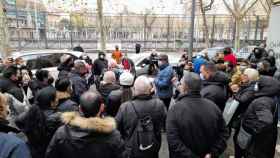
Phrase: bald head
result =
(90, 104)
(142, 86)
(191, 82)
(109, 77)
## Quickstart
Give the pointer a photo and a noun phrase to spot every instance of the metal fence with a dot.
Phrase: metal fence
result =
(63, 30)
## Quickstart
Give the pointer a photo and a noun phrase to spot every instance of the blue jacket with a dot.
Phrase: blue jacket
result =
(197, 62)
(163, 83)
(12, 147)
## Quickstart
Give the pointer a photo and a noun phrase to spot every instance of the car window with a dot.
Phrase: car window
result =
(145, 61)
(40, 61)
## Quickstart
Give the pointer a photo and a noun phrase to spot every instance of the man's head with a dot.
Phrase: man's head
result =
(163, 59)
(67, 60)
(190, 83)
(80, 67)
(109, 77)
(11, 72)
(117, 47)
(101, 55)
(250, 75)
(44, 76)
(63, 85)
(207, 70)
(91, 104)
(142, 86)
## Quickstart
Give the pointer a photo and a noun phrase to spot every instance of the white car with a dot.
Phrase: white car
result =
(44, 59)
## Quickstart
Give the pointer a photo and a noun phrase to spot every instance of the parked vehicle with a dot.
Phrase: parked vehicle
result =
(44, 59)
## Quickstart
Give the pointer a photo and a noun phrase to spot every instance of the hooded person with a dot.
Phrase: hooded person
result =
(122, 95)
(215, 85)
(63, 95)
(10, 145)
(40, 122)
(100, 65)
(87, 134)
(65, 66)
(261, 118)
(258, 55)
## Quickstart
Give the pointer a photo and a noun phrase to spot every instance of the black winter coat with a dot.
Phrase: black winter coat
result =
(127, 118)
(8, 86)
(39, 126)
(195, 128)
(216, 89)
(79, 85)
(86, 138)
(261, 119)
(99, 66)
(65, 104)
(106, 89)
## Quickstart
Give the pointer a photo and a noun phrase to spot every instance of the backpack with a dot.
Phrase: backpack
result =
(142, 141)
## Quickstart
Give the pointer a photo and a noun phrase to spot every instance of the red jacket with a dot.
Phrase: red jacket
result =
(230, 58)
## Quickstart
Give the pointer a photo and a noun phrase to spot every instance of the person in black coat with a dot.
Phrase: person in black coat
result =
(65, 66)
(10, 145)
(87, 134)
(261, 118)
(124, 94)
(43, 79)
(40, 122)
(215, 85)
(195, 125)
(77, 78)
(10, 83)
(63, 96)
(244, 95)
(108, 85)
(143, 103)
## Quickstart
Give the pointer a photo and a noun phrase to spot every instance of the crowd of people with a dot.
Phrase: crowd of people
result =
(101, 109)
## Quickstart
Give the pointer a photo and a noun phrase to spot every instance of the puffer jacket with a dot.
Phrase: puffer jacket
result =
(127, 119)
(86, 138)
(216, 89)
(260, 119)
(163, 83)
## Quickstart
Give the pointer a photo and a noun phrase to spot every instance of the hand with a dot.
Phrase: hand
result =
(208, 156)
(174, 80)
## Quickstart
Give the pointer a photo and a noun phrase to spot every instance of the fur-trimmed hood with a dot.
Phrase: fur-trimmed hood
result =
(102, 125)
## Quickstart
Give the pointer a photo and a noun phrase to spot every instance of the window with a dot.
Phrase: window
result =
(40, 61)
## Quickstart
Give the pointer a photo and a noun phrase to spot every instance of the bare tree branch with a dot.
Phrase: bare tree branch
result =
(264, 7)
(228, 8)
(244, 5)
(249, 8)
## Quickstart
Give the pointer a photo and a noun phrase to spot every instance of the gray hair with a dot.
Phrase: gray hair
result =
(192, 81)
(253, 74)
(142, 86)
(79, 64)
(109, 77)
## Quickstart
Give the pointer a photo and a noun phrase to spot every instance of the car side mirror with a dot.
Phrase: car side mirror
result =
(143, 65)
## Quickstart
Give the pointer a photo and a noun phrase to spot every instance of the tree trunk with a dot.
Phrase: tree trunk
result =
(168, 31)
(101, 25)
(237, 33)
(4, 36)
(205, 26)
